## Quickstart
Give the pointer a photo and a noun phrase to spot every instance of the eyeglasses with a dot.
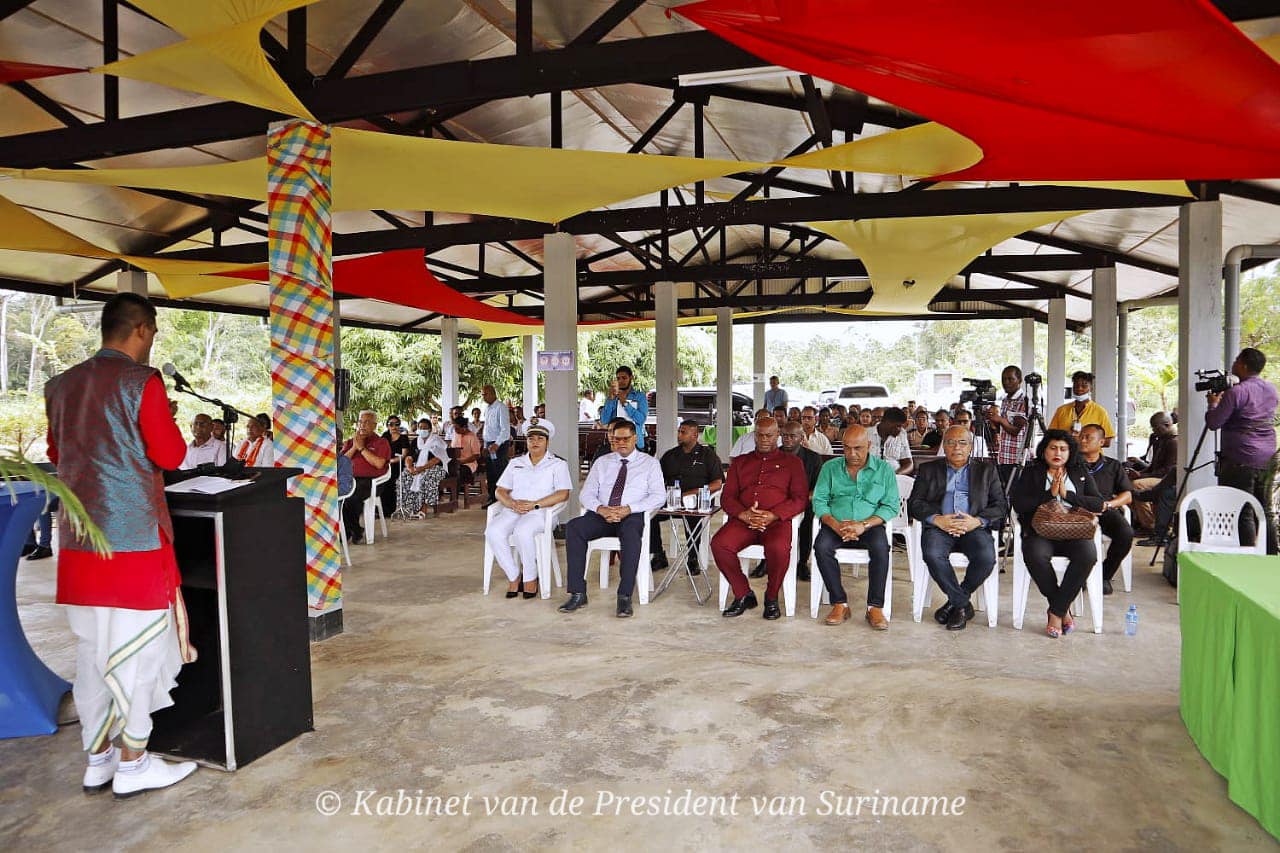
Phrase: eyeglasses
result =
(956, 442)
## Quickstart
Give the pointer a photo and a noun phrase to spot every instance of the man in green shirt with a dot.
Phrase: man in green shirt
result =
(855, 497)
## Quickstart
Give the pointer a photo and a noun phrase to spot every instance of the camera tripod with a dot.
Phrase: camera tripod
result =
(1191, 467)
(1034, 420)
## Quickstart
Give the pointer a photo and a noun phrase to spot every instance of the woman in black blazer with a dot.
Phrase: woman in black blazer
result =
(1058, 471)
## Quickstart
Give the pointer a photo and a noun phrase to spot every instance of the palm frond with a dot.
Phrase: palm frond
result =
(14, 465)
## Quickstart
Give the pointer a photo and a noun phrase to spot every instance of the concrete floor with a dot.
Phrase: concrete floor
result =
(435, 688)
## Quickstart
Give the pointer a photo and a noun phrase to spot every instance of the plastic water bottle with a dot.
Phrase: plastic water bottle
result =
(704, 498)
(673, 496)
(1131, 621)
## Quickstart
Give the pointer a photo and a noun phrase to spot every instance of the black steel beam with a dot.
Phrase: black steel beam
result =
(296, 32)
(524, 27)
(9, 7)
(1088, 248)
(110, 53)
(846, 112)
(364, 37)
(44, 102)
(658, 124)
(1244, 189)
(405, 90)
(669, 220)
(1246, 10)
(605, 24)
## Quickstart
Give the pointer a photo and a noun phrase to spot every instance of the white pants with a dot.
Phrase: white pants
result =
(525, 527)
(127, 662)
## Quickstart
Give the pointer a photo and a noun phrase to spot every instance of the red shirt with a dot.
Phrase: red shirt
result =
(775, 481)
(360, 466)
(133, 580)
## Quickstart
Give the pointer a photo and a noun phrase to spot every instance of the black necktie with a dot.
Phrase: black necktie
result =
(615, 496)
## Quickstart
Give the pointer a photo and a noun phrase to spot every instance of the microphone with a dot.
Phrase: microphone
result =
(178, 380)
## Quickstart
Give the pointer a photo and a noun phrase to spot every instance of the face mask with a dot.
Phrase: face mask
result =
(1081, 398)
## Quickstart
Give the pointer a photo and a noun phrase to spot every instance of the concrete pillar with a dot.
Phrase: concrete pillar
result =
(1200, 332)
(1122, 383)
(1104, 347)
(1028, 362)
(759, 379)
(724, 382)
(530, 396)
(131, 281)
(448, 365)
(1055, 377)
(560, 331)
(665, 301)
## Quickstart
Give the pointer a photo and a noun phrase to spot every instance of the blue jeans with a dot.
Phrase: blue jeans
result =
(937, 546)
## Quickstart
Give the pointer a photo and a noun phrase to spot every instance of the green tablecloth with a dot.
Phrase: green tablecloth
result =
(709, 434)
(1230, 616)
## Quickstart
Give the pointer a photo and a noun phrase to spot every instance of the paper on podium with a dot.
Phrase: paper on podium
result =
(206, 485)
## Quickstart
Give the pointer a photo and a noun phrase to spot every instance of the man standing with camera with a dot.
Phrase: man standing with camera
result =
(1009, 422)
(1245, 413)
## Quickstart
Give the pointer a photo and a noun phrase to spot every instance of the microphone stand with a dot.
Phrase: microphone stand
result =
(230, 415)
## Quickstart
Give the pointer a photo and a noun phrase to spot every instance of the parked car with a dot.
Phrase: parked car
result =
(826, 398)
(699, 404)
(864, 394)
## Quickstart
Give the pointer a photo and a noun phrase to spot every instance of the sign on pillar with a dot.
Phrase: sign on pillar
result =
(302, 344)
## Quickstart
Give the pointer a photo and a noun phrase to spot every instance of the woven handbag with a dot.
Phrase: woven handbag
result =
(1056, 521)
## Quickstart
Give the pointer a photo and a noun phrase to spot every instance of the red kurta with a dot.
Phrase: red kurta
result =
(134, 580)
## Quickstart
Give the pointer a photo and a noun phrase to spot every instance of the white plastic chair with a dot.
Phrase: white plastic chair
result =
(857, 557)
(756, 552)
(1219, 510)
(373, 507)
(922, 585)
(608, 544)
(548, 559)
(342, 524)
(1092, 591)
(1126, 565)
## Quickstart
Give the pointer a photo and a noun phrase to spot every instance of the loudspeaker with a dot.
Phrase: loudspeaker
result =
(342, 388)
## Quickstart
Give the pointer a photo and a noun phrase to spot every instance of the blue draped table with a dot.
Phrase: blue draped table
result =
(29, 691)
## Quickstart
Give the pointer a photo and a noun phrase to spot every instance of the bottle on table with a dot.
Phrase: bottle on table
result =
(704, 498)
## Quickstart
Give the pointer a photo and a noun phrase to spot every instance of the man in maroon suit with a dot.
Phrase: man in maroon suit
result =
(764, 490)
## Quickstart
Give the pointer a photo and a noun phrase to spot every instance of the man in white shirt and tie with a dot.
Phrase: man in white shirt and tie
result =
(496, 440)
(621, 487)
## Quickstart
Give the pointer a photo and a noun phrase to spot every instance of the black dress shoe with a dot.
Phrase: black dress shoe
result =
(27, 549)
(802, 574)
(624, 606)
(741, 605)
(513, 593)
(1154, 542)
(1106, 585)
(771, 609)
(942, 614)
(658, 562)
(760, 570)
(573, 602)
(695, 569)
(41, 553)
(968, 612)
(956, 619)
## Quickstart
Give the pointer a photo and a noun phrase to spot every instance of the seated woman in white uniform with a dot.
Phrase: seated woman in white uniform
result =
(530, 484)
(420, 478)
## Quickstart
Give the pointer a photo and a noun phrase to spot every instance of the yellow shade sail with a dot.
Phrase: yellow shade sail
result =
(373, 171)
(926, 149)
(910, 259)
(490, 330)
(240, 179)
(226, 63)
(23, 231)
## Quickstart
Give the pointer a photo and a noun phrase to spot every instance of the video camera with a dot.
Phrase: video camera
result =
(1033, 380)
(1213, 381)
(983, 392)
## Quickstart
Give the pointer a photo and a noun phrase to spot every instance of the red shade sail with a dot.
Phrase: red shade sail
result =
(12, 72)
(1087, 90)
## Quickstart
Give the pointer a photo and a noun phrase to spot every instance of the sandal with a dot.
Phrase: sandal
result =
(1050, 630)
(1068, 624)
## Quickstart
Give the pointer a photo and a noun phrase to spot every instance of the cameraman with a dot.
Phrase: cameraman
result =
(1009, 422)
(1246, 415)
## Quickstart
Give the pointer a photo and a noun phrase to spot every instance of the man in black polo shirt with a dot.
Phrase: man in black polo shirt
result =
(1116, 490)
(695, 465)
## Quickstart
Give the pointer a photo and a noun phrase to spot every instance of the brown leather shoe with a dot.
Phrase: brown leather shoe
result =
(875, 617)
(838, 616)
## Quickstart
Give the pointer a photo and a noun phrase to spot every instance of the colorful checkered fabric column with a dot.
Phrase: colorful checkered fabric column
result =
(301, 241)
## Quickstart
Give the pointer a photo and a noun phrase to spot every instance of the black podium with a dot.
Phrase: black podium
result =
(242, 555)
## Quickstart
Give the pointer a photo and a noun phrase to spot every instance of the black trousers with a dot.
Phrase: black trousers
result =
(1257, 482)
(1037, 551)
(874, 542)
(581, 530)
(389, 496)
(937, 547)
(353, 507)
(655, 537)
(1113, 524)
(493, 468)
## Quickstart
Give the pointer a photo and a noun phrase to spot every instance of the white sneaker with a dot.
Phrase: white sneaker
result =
(97, 776)
(148, 773)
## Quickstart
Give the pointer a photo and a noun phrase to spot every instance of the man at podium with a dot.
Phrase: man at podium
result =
(111, 434)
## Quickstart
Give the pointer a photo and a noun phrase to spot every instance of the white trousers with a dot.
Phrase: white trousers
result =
(525, 527)
(127, 662)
